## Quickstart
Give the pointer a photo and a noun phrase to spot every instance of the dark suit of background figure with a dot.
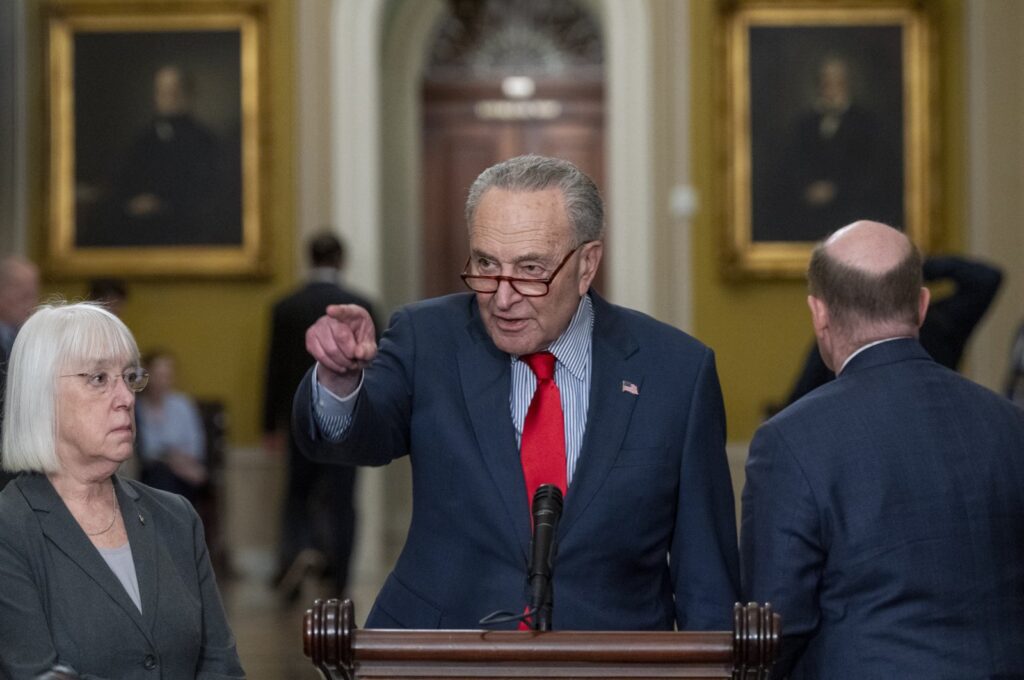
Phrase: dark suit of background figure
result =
(178, 160)
(887, 523)
(948, 325)
(651, 480)
(5, 351)
(19, 295)
(849, 160)
(61, 603)
(319, 506)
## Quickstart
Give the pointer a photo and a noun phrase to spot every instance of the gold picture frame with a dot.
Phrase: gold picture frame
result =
(156, 139)
(830, 118)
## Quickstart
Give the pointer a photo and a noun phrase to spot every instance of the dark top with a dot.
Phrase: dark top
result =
(61, 604)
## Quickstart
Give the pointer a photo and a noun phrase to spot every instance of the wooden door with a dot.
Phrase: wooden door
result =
(469, 127)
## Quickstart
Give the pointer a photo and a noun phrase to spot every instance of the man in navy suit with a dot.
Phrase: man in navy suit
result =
(647, 537)
(883, 513)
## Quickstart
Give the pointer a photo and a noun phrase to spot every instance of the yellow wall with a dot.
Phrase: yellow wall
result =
(760, 330)
(217, 328)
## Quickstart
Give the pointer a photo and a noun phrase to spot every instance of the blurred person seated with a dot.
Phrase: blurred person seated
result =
(947, 327)
(104, 576)
(111, 293)
(172, 443)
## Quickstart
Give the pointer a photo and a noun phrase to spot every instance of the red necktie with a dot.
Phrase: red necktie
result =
(543, 449)
(543, 446)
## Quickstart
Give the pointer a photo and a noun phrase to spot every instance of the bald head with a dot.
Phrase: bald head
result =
(870, 247)
(19, 289)
(865, 284)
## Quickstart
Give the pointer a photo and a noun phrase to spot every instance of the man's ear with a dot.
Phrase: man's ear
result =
(819, 314)
(922, 305)
(589, 261)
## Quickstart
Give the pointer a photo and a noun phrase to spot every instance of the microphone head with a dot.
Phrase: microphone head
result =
(547, 499)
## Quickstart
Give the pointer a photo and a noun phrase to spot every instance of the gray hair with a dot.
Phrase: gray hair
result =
(57, 337)
(583, 203)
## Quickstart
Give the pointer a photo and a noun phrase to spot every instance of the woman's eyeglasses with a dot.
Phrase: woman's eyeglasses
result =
(102, 382)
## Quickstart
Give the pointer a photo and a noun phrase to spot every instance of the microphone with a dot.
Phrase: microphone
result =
(547, 510)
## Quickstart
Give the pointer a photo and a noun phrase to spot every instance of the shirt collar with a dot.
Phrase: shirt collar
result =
(324, 275)
(572, 348)
(868, 346)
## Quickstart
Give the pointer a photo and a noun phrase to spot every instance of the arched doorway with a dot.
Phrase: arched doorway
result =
(503, 78)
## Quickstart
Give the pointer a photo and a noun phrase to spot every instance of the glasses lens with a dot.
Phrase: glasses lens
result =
(481, 284)
(136, 379)
(530, 288)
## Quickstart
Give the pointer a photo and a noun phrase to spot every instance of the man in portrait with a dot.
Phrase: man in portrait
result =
(835, 168)
(836, 161)
(174, 186)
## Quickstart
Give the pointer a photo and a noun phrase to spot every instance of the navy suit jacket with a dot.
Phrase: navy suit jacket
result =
(883, 517)
(652, 480)
(61, 604)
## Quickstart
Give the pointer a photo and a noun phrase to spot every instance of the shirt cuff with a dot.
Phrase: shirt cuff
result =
(333, 414)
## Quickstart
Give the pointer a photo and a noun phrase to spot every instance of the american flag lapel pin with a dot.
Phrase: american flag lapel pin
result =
(631, 388)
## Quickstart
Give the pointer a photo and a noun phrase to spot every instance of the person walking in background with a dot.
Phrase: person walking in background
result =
(319, 515)
(19, 294)
(883, 513)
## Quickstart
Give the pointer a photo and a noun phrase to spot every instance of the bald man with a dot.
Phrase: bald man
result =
(883, 514)
(19, 295)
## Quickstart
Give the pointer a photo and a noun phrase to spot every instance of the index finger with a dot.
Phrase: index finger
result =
(347, 313)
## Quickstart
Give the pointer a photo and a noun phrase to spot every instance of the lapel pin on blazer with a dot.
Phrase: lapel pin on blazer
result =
(142, 520)
(631, 388)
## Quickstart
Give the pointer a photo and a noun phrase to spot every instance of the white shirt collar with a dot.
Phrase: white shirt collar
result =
(869, 345)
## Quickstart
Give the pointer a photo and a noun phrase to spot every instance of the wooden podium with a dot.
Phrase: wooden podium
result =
(341, 651)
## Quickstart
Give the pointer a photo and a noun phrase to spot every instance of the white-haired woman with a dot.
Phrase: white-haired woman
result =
(101, 574)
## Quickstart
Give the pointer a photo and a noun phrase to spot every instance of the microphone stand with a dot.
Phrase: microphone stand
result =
(547, 510)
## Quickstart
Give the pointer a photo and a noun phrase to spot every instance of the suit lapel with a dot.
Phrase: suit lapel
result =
(609, 410)
(141, 528)
(63, 531)
(486, 375)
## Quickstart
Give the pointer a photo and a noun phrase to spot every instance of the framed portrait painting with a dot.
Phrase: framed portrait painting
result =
(155, 117)
(828, 121)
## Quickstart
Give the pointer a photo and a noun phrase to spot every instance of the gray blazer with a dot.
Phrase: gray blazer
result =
(61, 603)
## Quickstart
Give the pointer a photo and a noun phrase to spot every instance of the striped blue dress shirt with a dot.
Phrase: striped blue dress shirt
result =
(572, 352)
(572, 375)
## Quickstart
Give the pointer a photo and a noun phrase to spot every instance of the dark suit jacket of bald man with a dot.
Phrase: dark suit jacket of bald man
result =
(883, 518)
(652, 478)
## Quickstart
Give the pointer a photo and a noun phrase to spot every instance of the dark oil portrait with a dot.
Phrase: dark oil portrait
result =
(826, 129)
(157, 138)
